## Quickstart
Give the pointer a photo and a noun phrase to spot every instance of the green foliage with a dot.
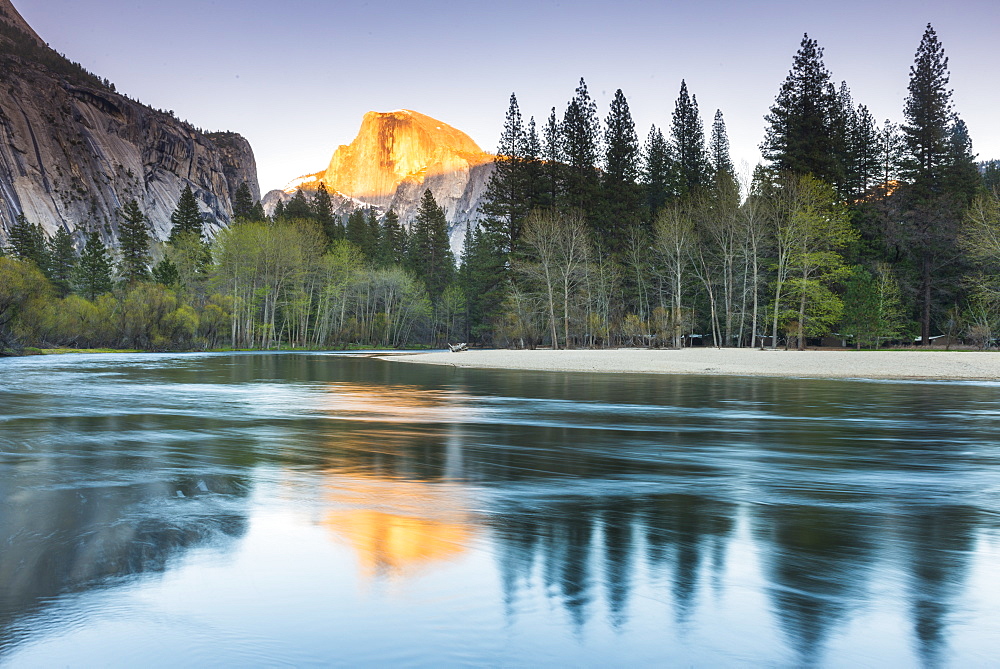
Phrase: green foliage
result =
(928, 113)
(429, 253)
(621, 196)
(392, 241)
(186, 219)
(718, 147)
(133, 243)
(657, 172)
(27, 242)
(322, 207)
(800, 136)
(23, 292)
(165, 273)
(484, 280)
(687, 135)
(62, 261)
(359, 233)
(93, 273)
(873, 309)
(580, 134)
(298, 207)
(244, 207)
(508, 196)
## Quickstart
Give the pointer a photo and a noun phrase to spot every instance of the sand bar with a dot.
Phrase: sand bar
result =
(922, 365)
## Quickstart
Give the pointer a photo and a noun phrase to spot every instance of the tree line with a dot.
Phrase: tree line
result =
(300, 278)
(871, 232)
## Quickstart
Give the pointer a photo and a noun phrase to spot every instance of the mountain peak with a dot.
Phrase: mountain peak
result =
(396, 147)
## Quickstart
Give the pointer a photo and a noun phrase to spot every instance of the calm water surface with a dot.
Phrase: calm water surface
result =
(311, 509)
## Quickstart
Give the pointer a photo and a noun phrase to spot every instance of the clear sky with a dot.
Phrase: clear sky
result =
(295, 77)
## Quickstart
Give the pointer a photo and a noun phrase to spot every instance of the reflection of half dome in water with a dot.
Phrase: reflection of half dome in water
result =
(395, 404)
(397, 526)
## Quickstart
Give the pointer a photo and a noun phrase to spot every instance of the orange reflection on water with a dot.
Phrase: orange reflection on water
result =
(397, 526)
(395, 404)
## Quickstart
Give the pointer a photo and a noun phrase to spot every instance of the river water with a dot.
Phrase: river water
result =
(323, 509)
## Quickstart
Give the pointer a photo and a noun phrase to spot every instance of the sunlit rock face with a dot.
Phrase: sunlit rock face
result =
(73, 151)
(394, 158)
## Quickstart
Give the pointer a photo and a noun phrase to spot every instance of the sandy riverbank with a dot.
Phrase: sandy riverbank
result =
(925, 365)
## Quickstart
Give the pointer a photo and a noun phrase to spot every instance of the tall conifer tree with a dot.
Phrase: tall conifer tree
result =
(688, 143)
(928, 114)
(505, 203)
(244, 207)
(27, 242)
(799, 136)
(186, 219)
(622, 194)
(298, 207)
(133, 243)
(718, 148)
(657, 172)
(552, 155)
(93, 272)
(580, 130)
(62, 261)
(322, 207)
(430, 256)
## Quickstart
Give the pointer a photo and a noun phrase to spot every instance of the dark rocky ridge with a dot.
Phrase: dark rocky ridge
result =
(72, 150)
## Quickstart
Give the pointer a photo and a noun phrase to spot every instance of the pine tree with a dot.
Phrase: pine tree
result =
(688, 143)
(581, 133)
(165, 272)
(932, 213)
(534, 170)
(374, 235)
(991, 175)
(961, 174)
(279, 211)
(483, 281)
(298, 207)
(430, 256)
(622, 196)
(862, 169)
(133, 243)
(357, 231)
(62, 263)
(27, 242)
(322, 207)
(186, 219)
(657, 172)
(552, 156)
(799, 136)
(93, 272)
(928, 114)
(244, 207)
(392, 241)
(718, 147)
(889, 154)
(505, 203)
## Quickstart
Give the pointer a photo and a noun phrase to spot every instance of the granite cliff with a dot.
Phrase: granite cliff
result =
(396, 156)
(73, 150)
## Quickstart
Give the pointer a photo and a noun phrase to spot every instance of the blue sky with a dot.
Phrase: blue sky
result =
(295, 77)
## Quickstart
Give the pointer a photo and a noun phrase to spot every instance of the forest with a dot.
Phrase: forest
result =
(853, 232)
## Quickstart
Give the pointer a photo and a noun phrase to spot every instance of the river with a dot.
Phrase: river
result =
(330, 509)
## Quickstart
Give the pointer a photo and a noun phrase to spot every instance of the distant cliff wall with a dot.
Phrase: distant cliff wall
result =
(73, 151)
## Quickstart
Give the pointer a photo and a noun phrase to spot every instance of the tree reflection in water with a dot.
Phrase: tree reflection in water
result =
(616, 501)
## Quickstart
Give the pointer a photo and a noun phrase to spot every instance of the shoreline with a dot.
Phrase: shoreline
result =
(815, 364)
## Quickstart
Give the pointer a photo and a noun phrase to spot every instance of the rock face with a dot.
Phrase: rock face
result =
(394, 158)
(73, 151)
